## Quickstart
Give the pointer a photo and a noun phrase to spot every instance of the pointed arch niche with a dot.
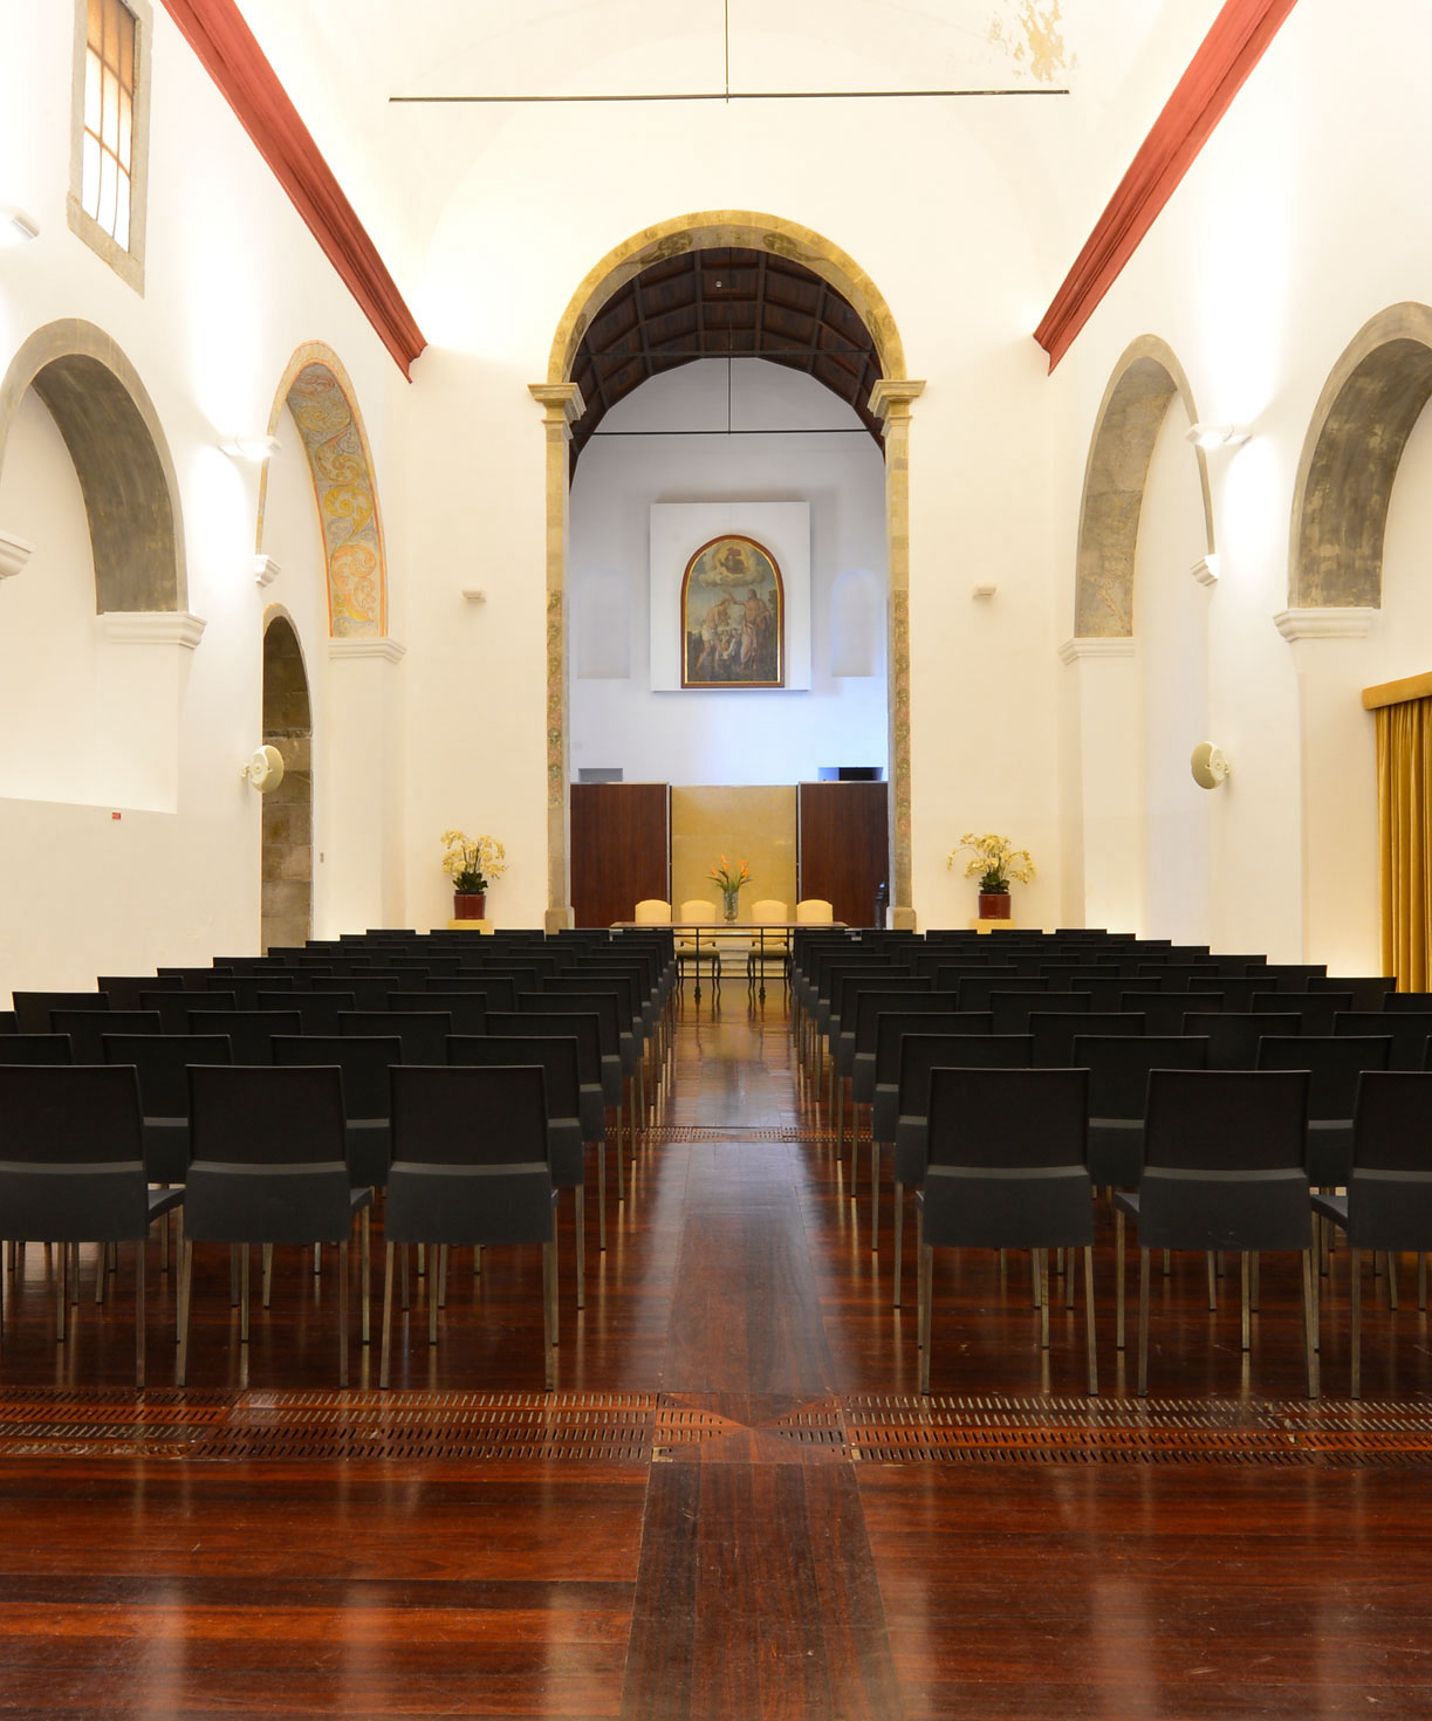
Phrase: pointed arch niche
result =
(563, 405)
(1128, 812)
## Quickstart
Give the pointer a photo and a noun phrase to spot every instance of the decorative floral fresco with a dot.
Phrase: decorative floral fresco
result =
(347, 508)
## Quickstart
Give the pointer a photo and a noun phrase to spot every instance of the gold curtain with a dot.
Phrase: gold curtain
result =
(1404, 803)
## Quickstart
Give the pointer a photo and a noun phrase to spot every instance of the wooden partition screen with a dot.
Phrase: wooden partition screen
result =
(620, 849)
(843, 846)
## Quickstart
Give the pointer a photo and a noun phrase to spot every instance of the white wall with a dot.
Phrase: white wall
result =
(716, 737)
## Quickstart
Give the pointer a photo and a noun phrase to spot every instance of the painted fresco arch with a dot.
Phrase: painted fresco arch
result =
(1373, 397)
(115, 440)
(317, 392)
(1144, 382)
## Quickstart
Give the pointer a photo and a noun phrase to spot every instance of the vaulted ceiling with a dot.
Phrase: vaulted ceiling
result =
(720, 304)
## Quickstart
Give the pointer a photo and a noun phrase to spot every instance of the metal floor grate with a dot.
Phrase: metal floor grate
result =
(679, 1134)
(642, 1428)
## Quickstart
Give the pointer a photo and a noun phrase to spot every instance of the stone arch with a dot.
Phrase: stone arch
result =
(286, 864)
(319, 394)
(1359, 430)
(562, 403)
(113, 434)
(1130, 416)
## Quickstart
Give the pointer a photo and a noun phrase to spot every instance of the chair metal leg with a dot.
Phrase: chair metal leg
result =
(621, 1179)
(442, 1271)
(1068, 1269)
(267, 1274)
(1212, 1263)
(926, 1279)
(874, 1191)
(64, 1293)
(1309, 1339)
(549, 1282)
(919, 1268)
(1142, 1388)
(100, 1272)
(186, 1287)
(1243, 1300)
(1118, 1279)
(404, 1252)
(579, 1220)
(1422, 1281)
(602, 1195)
(1035, 1290)
(365, 1272)
(1391, 1280)
(1355, 1299)
(233, 1275)
(1089, 1320)
(899, 1243)
(432, 1308)
(139, 1320)
(317, 1259)
(1041, 1274)
(243, 1293)
(385, 1349)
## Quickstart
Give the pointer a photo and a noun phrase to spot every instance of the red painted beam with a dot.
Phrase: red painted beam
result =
(217, 33)
(1235, 44)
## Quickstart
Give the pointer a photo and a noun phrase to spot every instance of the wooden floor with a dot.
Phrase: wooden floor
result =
(734, 1506)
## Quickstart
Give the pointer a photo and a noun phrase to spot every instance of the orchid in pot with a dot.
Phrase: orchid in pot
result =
(995, 861)
(472, 863)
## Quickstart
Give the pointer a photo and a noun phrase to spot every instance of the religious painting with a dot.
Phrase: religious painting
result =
(733, 616)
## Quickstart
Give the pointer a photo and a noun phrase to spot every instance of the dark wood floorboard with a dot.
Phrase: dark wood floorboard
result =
(734, 1505)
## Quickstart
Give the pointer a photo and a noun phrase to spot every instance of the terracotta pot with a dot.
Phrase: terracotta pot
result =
(468, 905)
(994, 905)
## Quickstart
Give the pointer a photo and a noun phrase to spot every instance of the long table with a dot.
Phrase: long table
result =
(753, 935)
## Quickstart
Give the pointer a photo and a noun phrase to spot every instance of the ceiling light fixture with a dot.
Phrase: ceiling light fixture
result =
(1216, 435)
(253, 448)
(16, 228)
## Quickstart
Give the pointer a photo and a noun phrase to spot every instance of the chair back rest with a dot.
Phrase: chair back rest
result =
(58, 1116)
(1233, 1035)
(814, 911)
(697, 908)
(557, 1058)
(1227, 1120)
(470, 1116)
(36, 1049)
(768, 911)
(869, 1003)
(423, 1033)
(1007, 1118)
(1334, 1063)
(1392, 1128)
(1409, 1029)
(601, 1005)
(584, 1032)
(922, 1053)
(1369, 991)
(275, 1116)
(652, 911)
(1119, 1065)
(123, 990)
(32, 1009)
(500, 990)
(467, 1009)
(86, 1029)
(916, 1013)
(250, 1032)
(976, 990)
(616, 990)
(1054, 1033)
(162, 1061)
(364, 1061)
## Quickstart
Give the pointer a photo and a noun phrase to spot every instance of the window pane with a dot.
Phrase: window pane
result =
(109, 131)
(94, 33)
(110, 44)
(93, 79)
(121, 213)
(126, 48)
(126, 121)
(89, 182)
(108, 173)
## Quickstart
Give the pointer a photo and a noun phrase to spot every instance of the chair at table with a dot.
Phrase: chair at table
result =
(1006, 1170)
(1224, 1157)
(270, 1166)
(652, 911)
(72, 1171)
(690, 952)
(814, 911)
(768, 947)
(1388, 1204)
(470, 1168)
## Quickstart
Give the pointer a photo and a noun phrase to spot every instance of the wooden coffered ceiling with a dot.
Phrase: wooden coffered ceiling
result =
(720, 304)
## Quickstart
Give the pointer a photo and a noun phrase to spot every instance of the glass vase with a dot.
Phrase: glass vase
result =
(731, 902)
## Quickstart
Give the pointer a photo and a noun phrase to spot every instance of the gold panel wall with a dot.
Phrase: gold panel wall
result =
(757, 825)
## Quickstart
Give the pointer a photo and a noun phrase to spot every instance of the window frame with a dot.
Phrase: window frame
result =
(127, 262)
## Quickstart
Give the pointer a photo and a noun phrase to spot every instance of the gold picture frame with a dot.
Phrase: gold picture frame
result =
(733, 616)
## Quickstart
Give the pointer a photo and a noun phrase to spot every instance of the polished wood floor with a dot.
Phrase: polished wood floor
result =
(735, 1505)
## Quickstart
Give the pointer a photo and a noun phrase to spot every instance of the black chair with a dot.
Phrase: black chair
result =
(32, 1009)
(1119, 1068)
(1054, 1034)
(1316, 1011)
(163, 1062)
(86, 1029)
(468, 1010)
(1223, 1169)
(1163, 1012)
(1012, 1011)
(320, 1012)
(604, 1007)
(566, 1151)
(72, 1171)
(1388, 1204)
(36, 1049)
(8, 1024)
(1369, 991)
(920, 1054)
(1409, 1029)
(470, 1168)
(175, 1008)
(863, 1003)
(1006, 1170)
(367, 1088)
(1233, 1035)
(1335, 1064)
(423, 1033)
(123, 990)
(269, 1166)
(250, 1033)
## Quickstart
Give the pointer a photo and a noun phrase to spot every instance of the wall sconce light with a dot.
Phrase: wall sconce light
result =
(1207, 436)
(1210, 765)
(256, 449)
(264, 770)
(16, 228)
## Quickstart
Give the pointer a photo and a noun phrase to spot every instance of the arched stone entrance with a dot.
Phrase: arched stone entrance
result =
(287, 846)
(562, 405)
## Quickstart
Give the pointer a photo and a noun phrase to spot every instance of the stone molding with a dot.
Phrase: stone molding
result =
(1325, 623)
(1205, 569)
(266, 569)
(390, 650)
(1121, 645)
(14, 553)
(152, 627)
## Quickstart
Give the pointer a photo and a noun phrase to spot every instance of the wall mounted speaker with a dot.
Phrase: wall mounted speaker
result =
(1209, 765)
